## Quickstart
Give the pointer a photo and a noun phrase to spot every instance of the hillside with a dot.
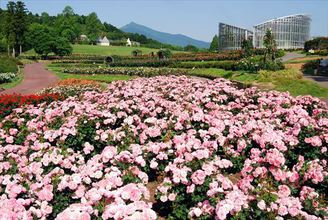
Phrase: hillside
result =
(167, 38)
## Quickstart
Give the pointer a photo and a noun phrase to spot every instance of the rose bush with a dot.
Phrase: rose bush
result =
(139, 71)
(72, 87)
(10, 102)
(171, 146)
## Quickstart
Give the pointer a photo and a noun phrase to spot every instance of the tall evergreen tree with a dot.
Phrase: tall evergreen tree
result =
(15, 25)
(215, 43)
(20, 24)
(94, 27)
(270, 46)
(9, 27)
(247, 47)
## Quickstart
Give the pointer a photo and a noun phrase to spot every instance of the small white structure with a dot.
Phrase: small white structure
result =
(103, 41)
(83, 37)
(130, 43)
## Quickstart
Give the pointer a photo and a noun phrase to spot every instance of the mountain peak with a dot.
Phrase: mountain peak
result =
(132, 23)
(167, 38)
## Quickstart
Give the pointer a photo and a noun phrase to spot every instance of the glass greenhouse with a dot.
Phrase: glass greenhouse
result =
(231, 37)
(290, 32)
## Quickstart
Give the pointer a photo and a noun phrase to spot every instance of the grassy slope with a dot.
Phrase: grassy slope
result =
(105, 51)
(111, 50)
(294, 86)
(305, 59)
(99, 77)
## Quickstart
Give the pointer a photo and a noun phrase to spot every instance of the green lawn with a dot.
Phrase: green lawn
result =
(111, 50)
(105, 51)
(99, 77)
(272, 80)
(302, 87)
(305, 59)
(240, 76)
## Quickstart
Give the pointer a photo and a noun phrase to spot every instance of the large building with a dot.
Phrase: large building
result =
(231, 37)
(290, 32)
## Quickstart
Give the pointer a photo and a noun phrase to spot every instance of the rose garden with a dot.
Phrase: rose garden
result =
(156, 131)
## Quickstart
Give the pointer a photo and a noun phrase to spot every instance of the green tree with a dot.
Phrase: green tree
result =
(9, 27)
(15, 25)
(94, 27)
(45, 18)
(20, 24)
(319, 43)
(191, 48)
(68, 11)
(3, 45)
(214, 44)
(270, 46)
(247, 47)
(41, 38)
(44, 41)
(67, 24)
(61, 47)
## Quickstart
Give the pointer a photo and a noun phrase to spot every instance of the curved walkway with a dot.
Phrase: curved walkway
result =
(36, 78)
(291, 56)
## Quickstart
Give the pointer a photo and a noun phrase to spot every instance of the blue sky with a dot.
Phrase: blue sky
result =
(195, 18)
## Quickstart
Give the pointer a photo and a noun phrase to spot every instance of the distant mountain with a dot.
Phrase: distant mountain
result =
(166, 38)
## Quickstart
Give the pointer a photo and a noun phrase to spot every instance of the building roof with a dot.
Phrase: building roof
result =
(235, 26)
(284, 17)
(104, 40)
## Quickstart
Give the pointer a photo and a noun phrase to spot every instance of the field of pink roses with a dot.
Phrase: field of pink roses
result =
(169, 147)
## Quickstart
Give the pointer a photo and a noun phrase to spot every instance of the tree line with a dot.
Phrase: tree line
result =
(21, 30)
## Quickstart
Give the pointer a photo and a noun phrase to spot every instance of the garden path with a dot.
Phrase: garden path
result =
(291, 55)
(36, 78)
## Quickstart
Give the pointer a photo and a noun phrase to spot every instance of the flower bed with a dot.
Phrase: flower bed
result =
(72, 87)
(10, 102)
(7, 77)
(174, 147)
(142, 63)
(205, 56)
(139, 71)
(226, 65)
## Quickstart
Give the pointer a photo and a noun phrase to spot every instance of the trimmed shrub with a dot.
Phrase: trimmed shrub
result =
(253, 65)
(310, 66)
(8, 64)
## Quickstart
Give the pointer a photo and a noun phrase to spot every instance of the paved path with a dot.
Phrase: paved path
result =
(36, 78)
(291, 55)
(321, 80)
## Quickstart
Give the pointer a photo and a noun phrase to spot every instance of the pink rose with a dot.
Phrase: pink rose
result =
(46, 193)
(282, 210)
(284, 191)
(198, 177)
(171, 196)
(261, 205)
